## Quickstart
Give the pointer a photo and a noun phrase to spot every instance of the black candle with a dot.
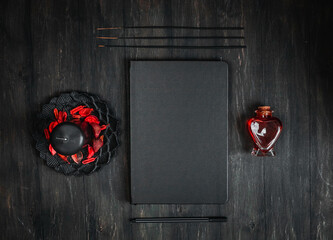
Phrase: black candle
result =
(67, 138)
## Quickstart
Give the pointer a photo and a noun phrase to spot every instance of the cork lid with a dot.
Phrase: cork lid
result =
(264, 111)
(264, 108)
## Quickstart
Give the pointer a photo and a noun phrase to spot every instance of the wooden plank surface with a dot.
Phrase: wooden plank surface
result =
(55, 53)
(287, 178)
(20, 190)
(48, 47)
(103, 70)
(321, 120)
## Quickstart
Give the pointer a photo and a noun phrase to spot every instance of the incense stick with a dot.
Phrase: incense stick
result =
(174, 37)
(173, 46)
(172, 27)
(179, 220)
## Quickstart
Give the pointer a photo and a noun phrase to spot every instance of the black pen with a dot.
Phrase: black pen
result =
(179, 219)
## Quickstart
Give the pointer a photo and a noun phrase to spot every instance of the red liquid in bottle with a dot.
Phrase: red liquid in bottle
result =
(264, 130)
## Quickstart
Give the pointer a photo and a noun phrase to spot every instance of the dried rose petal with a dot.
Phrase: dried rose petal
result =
(64, 116)
(76, 121)
(85, 129)
(56, 113)
(52, 125)
(91, 151)
(52, 151)
(76, 116)
(92, 119)
(74, 110)
(63, 157)
(74, 157)
(79, 156)
(97, 144)
(104, 126)
(96, 129)
(47, 134)
(85, 112)
(89, 160)
(60, 116)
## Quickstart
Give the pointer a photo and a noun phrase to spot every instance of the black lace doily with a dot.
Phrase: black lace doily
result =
(66, 102)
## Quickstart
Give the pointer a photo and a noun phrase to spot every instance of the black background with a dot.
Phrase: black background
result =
(49, 46)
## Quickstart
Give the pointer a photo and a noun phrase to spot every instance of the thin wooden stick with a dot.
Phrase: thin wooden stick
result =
(173, 46)
(174, 37)
(172, 27)
(108, 28)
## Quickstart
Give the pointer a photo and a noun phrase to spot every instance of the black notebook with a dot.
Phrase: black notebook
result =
(179, 132)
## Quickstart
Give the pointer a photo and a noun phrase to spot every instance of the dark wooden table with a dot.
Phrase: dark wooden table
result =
(49, 46)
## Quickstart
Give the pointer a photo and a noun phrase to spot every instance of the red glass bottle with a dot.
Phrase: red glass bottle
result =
(264, 130)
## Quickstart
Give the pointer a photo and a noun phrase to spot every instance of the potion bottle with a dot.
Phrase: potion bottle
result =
(264, 130)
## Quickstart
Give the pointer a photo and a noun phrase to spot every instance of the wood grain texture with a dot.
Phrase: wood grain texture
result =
(286, 85)
(55, 53)
(19, 182)
(321, 120)
(107, 193)
(48, 47)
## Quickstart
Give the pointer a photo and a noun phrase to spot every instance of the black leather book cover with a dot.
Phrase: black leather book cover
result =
(179, 132)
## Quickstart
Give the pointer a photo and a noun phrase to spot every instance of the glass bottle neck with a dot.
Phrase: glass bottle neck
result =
(264, 114)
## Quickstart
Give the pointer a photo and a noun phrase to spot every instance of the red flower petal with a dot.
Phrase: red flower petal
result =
(60, 116)
(55, 111)
(74, 157)
(52, 125)
(76, 121)
(74, 110)
(91, 151)
(85, 129)
(92, 119)
(64, 117)
(52, 151)
(89, 160)
(97, 144)
(104, 126)
(76, 116)
(63, 158)
(85, 112)
(96, 129)
(47, 134)
(79, 156)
